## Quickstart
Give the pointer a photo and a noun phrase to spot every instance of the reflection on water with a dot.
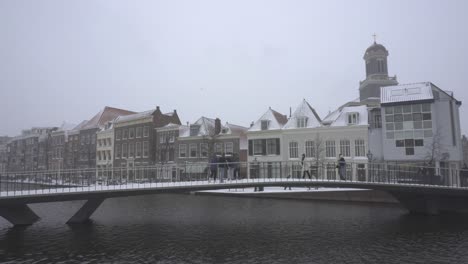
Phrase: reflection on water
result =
(203, 229)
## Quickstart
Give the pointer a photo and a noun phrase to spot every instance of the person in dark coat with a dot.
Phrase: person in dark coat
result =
(223, 166)
(341, 167)
(214, 167)
(235, 165)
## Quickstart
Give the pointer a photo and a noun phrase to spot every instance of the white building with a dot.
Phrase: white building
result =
(421, 123)
(105, 150)
(280, 142)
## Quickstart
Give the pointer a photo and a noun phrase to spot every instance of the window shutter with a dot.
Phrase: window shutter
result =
(250, 147)
(278, 148)
(263, 146)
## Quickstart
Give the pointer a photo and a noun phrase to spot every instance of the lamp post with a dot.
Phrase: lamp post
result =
(369, 157)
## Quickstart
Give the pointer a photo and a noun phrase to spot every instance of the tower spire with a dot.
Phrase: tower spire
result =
(375, 38)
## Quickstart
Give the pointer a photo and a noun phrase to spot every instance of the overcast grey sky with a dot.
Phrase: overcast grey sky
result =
(66, 60)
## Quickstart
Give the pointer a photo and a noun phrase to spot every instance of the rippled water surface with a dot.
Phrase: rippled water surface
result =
(204, 229)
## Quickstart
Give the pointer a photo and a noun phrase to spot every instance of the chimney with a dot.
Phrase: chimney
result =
(252, 124)
(290, 111)
(157, 108)
(217, 126)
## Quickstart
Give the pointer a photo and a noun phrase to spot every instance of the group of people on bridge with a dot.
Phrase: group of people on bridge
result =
(226, 167)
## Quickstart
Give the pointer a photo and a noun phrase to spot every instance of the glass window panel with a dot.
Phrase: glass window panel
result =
(407, 125)
(397, 110)
(407, 117)
(398, 118)
(417, 125)
(409, 151)
(399, 126)
(419, 142)
(409, 142)
(389, 110)
(427, 116)
(428, 133)
(426, 107)
(419, 133)
(416, 108)
(427, 124)
(389, 118)
(409, 134)
(399, 143)
(390, 135)
(407, 109)
(389, 126)
(417, 117)
(399, 135)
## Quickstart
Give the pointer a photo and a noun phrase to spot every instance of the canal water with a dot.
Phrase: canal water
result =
(184, 228)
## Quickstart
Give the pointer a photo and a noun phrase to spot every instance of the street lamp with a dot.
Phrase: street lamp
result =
(369, 157)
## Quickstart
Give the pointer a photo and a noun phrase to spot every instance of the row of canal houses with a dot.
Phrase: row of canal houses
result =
(417, 123)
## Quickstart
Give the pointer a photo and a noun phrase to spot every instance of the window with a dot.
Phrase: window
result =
(171, 154)
(193, 150)
(265, 124)
(310, 149)
(138, 132)
(182, 151)
(229, 148)
(131, 133)
(293, 150)
(353, 118)
(145, 149)
(272, 146)
(125, 134)
(330, 151)
(145, 131)
(409, 151)
(171, 138)
(194, 129)
(419, 142)
(99, 155)
(377, 121)
(162, 139)
(138, 150)
(124, 150)
(204, 150)
(257, 147)
(219, 148)
(131, 150)
(345, 148)
(302, 122)
(359, 148)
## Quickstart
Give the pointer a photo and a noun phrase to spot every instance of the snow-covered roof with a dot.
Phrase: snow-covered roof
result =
(277, 121)
(339, 117)
(304, 110)
(207, 127)
(132, 117)
(406, 93)
(105, 115)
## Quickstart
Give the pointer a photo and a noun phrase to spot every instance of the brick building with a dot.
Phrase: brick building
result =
(28, 152)
(3, 153)
(87, 135)
(135, 136)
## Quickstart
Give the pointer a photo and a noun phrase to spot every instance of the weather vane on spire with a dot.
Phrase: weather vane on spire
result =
(375, 38)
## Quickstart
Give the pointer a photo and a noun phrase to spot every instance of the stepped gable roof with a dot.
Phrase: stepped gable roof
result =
(105, 115)
(304, 110)
(277, 120)
(339, 117)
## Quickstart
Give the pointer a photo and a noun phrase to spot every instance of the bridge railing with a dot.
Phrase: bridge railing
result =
(172, 174)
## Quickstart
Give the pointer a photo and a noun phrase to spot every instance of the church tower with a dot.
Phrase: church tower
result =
(376, 73)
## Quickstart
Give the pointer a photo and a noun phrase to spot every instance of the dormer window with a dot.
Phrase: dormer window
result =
(302, 122)
(353, 118)
(194, 129)
(265, 124)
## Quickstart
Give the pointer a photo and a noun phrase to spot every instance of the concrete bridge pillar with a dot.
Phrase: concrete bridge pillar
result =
(85, 211)
(18, 214)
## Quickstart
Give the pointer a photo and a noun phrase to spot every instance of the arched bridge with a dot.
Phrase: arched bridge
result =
(418, 192)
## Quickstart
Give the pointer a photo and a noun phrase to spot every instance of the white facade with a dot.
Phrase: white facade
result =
(105, 148)
(344, 131)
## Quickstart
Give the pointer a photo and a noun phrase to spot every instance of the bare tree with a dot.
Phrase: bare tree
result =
(319, 148)
(210, 139)
(435, 150)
